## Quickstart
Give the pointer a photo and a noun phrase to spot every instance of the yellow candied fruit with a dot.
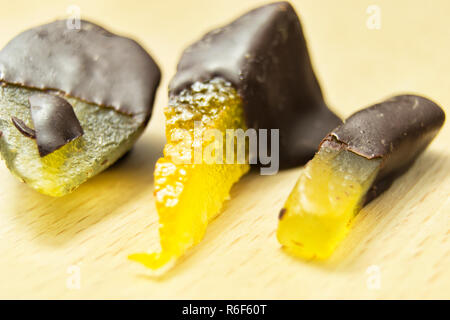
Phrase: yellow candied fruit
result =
(318, 213)
(190, 193)
(52, 165)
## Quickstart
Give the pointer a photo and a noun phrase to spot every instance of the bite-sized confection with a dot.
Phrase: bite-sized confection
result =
(355, 163)
(72, 101)
(252, 73)
(263, 54)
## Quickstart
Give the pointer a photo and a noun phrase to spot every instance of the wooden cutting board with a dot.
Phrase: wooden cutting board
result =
(399, 246)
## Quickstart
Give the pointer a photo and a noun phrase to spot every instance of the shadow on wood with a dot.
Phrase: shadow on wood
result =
(59, 220)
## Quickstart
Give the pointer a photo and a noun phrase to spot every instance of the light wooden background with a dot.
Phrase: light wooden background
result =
(405, 232)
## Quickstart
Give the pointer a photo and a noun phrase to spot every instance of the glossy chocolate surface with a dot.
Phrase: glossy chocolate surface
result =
(91, 64)
(396, 130)
(55, 122)
(264, 55)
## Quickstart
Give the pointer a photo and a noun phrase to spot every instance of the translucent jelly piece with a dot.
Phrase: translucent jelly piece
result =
(107, 136)
(318, 213)
(190, 194)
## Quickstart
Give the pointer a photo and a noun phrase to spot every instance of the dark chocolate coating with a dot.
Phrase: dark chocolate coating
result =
(23, 128)
(264, 55)
(91, 64)
(55, 122)
(396, 130)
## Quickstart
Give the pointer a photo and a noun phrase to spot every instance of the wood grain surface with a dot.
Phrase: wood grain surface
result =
(404, 235)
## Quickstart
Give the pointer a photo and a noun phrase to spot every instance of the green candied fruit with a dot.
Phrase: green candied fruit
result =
(108, 135)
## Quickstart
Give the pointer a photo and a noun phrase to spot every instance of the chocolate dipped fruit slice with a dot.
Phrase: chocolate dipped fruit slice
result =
(355, 163)
(72, 102)
(264, 55)
(254, 73)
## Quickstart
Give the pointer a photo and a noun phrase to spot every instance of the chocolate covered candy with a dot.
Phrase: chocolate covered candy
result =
(355, 163)
(263, 54)
(395, 131)
(252, 73)
(71, 102)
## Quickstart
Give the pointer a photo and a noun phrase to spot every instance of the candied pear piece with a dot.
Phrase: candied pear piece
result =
(355, 163)
(107, 136)
(72, 102)
(190, 193)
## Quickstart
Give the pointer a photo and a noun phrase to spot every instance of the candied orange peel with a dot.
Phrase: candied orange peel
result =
(190, 192)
